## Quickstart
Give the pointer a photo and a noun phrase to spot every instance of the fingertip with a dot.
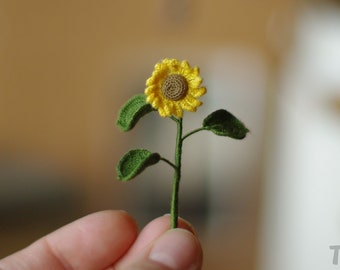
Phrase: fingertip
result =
(163, 224)
(118, 218)
(184, 224)
(154, 231)
(156, 228)
(176, 249)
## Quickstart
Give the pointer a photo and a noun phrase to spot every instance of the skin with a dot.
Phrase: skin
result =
(110, 240)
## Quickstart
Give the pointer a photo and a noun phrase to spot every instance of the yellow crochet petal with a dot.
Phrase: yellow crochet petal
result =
(190, 103)
(175, 66)
(156, 103)
(198, 92)
(193, 72)
(168, 108)
(192, 100)
(151, 90)
(149, 99)
(194, 81)
(178, 111)
(162, 112)
(185, 66)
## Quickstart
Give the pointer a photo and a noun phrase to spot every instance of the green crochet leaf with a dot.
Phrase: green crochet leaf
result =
(134, 162)
(133, 110)
(223, 123)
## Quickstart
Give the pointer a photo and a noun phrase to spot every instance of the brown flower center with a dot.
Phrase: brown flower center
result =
(175, 87)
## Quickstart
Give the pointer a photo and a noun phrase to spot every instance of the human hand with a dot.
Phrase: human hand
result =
(109, 240)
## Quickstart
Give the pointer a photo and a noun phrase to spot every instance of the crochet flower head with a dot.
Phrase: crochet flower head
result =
(173, 87)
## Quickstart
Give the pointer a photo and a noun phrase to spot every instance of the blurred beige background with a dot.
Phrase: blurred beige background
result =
(65, 69)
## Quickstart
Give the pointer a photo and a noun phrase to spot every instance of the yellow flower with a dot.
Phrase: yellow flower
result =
(173, 87)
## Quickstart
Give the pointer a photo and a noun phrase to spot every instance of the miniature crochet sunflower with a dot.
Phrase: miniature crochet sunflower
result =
(173, 87)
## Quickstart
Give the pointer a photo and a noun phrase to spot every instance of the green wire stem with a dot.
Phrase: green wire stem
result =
(177, 167)
(169, 162)
(177, 174)
(193, 132)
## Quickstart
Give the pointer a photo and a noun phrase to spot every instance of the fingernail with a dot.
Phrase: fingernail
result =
(177, 249)
(184, 224)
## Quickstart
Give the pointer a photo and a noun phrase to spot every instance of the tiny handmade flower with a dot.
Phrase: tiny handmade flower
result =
(173, 87)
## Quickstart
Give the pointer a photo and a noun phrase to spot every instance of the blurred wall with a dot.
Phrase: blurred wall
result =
(301, 199)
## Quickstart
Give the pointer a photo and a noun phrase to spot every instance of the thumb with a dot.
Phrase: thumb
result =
(176, 249)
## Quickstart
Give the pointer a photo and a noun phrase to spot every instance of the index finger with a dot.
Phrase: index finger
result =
(93, 242)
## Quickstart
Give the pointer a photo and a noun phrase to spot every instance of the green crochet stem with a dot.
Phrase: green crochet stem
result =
(177, 175)
(174, 212)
